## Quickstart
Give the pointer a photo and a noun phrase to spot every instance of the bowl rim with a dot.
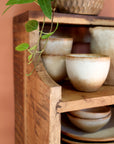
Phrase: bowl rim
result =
(92, 111)
(85, 119)
(52, 55)
(101, 28)
(58, 38)
(87, 56)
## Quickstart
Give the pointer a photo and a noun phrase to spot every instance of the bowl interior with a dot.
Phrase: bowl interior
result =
(97, 110)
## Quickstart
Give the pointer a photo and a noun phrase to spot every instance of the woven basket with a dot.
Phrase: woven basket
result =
(89, 7)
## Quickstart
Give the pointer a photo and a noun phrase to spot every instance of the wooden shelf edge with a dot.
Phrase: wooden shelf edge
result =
(74, 19)
(76, 100)
(64, 18)
(83, 104)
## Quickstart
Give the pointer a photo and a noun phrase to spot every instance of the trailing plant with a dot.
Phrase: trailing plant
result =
(32, 25)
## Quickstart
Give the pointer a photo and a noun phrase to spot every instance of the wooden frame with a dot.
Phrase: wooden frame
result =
(38, 99)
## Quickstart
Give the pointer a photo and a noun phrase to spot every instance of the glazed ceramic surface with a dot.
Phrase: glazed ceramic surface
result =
(106, 134)
(92, 113)
(55, 66)
(89, 125)
(57, 46)
(102, 42)
(68, 141)
(87, 72)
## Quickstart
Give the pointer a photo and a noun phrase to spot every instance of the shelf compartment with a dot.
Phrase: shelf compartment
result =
(76, 100)
(37, 97)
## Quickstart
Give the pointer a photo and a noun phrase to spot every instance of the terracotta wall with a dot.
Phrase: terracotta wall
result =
(6, 67)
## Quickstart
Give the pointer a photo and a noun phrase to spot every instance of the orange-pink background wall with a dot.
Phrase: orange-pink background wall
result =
(6, 66)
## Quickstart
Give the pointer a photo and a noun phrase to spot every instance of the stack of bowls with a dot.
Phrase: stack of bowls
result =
(54, 56)
(90, 120)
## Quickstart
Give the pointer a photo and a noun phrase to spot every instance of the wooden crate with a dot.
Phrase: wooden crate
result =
(39, 101)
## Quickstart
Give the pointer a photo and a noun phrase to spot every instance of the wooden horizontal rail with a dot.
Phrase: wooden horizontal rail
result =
(75, 100)
(63, 18)
(74, 19)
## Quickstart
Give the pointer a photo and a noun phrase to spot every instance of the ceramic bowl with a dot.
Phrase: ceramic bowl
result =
(57, 46)
(102, 42)
(55, 66)
(87, 72)
(92, 113)
(89, 125)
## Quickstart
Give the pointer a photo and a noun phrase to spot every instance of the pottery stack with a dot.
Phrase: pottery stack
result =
(53, 57)
(90, 120)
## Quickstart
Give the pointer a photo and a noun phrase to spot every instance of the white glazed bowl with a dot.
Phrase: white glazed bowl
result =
(102, 42)
(89, 125)
(92, 113)
(57, 46)
(55, 66)
(87, 72)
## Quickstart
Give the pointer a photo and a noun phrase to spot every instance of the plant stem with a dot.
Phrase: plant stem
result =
(37, 45)
(49, 31)
(36, 2)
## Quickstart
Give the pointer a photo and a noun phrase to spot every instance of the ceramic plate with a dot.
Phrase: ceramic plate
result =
(106, 134)
(76, 142)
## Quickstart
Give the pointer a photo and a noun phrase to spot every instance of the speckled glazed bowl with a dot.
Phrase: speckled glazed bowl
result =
(89, 125)
(92, 113)
(102, 42)
(87, 72)
(55, 66)
(57, 46)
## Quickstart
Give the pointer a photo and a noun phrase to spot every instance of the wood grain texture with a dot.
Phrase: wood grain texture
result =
(38, 101)
(19, 81)
(74, 19)
(36, 96)
(76, 100)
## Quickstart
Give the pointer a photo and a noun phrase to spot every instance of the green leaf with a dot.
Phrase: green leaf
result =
(29, 57)
(49, 34)
(22, 47)
(46, 7)
(31, 25)
(33, 48)
(11, 2)
(7, 9)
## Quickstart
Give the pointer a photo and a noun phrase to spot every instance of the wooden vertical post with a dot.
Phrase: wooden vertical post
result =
(36, 96)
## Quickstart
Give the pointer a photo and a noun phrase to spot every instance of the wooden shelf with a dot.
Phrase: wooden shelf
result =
(73, 19)
(76, 100)
(38, 99)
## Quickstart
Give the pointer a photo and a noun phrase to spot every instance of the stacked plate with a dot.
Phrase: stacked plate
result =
(73, 135)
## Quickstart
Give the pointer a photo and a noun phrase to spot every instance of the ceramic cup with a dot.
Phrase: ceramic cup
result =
(55, 66)
(87, 72)
(57, 45)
